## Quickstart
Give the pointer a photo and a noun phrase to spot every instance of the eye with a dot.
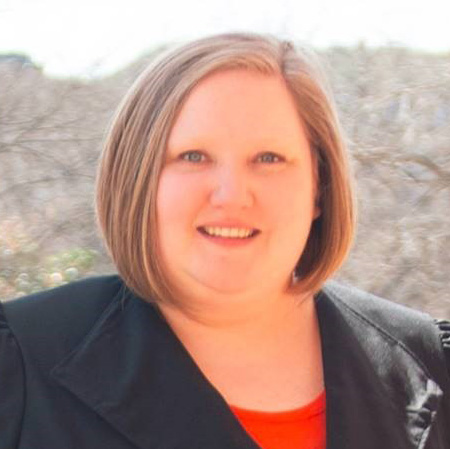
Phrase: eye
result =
(270, 158)
(192, 156)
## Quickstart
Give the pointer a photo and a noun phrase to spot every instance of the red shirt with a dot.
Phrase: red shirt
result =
(299, 428)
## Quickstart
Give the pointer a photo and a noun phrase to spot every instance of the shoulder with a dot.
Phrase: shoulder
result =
(393, 317)
(416, 332)
(47, 324)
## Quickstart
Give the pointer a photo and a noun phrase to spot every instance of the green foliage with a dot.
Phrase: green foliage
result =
(23, 268)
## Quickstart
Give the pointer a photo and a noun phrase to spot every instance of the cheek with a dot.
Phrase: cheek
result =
(177, 200)
(292, 200)
(166, 200)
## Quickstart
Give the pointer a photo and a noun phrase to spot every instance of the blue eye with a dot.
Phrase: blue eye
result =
(192, 156)
(269, 158)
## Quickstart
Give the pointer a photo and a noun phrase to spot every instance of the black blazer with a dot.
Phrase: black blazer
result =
(91, 366)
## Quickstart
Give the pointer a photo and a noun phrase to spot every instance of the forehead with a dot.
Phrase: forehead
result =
(238, 102)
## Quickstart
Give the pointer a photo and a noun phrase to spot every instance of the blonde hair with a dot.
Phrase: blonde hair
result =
(134, 151)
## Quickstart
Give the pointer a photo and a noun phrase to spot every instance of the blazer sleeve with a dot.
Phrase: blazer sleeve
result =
(444, 333)
(12, 392)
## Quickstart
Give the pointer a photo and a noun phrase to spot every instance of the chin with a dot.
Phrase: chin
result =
(227, 286)
(225, 283)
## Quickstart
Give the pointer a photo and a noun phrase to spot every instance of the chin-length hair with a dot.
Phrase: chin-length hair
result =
(134, 154)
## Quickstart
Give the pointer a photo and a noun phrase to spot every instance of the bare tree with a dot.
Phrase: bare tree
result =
(395, 108)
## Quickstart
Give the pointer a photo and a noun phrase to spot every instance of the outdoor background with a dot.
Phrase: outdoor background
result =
(64, 67)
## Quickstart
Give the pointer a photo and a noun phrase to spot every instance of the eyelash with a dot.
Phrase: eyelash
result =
(185, 157)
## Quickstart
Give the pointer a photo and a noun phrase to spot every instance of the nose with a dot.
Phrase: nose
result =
(231, 188)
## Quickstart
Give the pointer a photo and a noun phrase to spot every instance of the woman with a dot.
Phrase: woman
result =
(224, 199)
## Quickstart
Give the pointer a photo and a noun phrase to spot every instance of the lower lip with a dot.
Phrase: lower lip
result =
(228, 241)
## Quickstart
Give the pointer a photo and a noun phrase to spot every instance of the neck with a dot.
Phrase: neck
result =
(266, 356)
(231, 320)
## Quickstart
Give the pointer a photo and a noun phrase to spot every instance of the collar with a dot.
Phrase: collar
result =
(135, 373)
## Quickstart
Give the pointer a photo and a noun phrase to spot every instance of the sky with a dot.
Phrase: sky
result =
(92, 38)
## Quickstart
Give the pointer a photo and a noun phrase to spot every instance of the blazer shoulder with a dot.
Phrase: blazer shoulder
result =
(413, 330)
(50, 323)
(379, 310)
(12, 389)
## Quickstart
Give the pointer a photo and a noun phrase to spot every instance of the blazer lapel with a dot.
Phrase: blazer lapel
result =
(134, 372)
(378, 396)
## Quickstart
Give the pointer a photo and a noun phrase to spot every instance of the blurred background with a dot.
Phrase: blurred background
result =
(64, 67)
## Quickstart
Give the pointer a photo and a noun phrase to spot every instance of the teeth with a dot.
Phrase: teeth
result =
(241, 233)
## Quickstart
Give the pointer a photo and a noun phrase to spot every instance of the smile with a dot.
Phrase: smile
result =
(233, 233)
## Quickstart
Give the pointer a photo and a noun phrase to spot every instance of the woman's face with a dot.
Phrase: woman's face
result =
(236, 196)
